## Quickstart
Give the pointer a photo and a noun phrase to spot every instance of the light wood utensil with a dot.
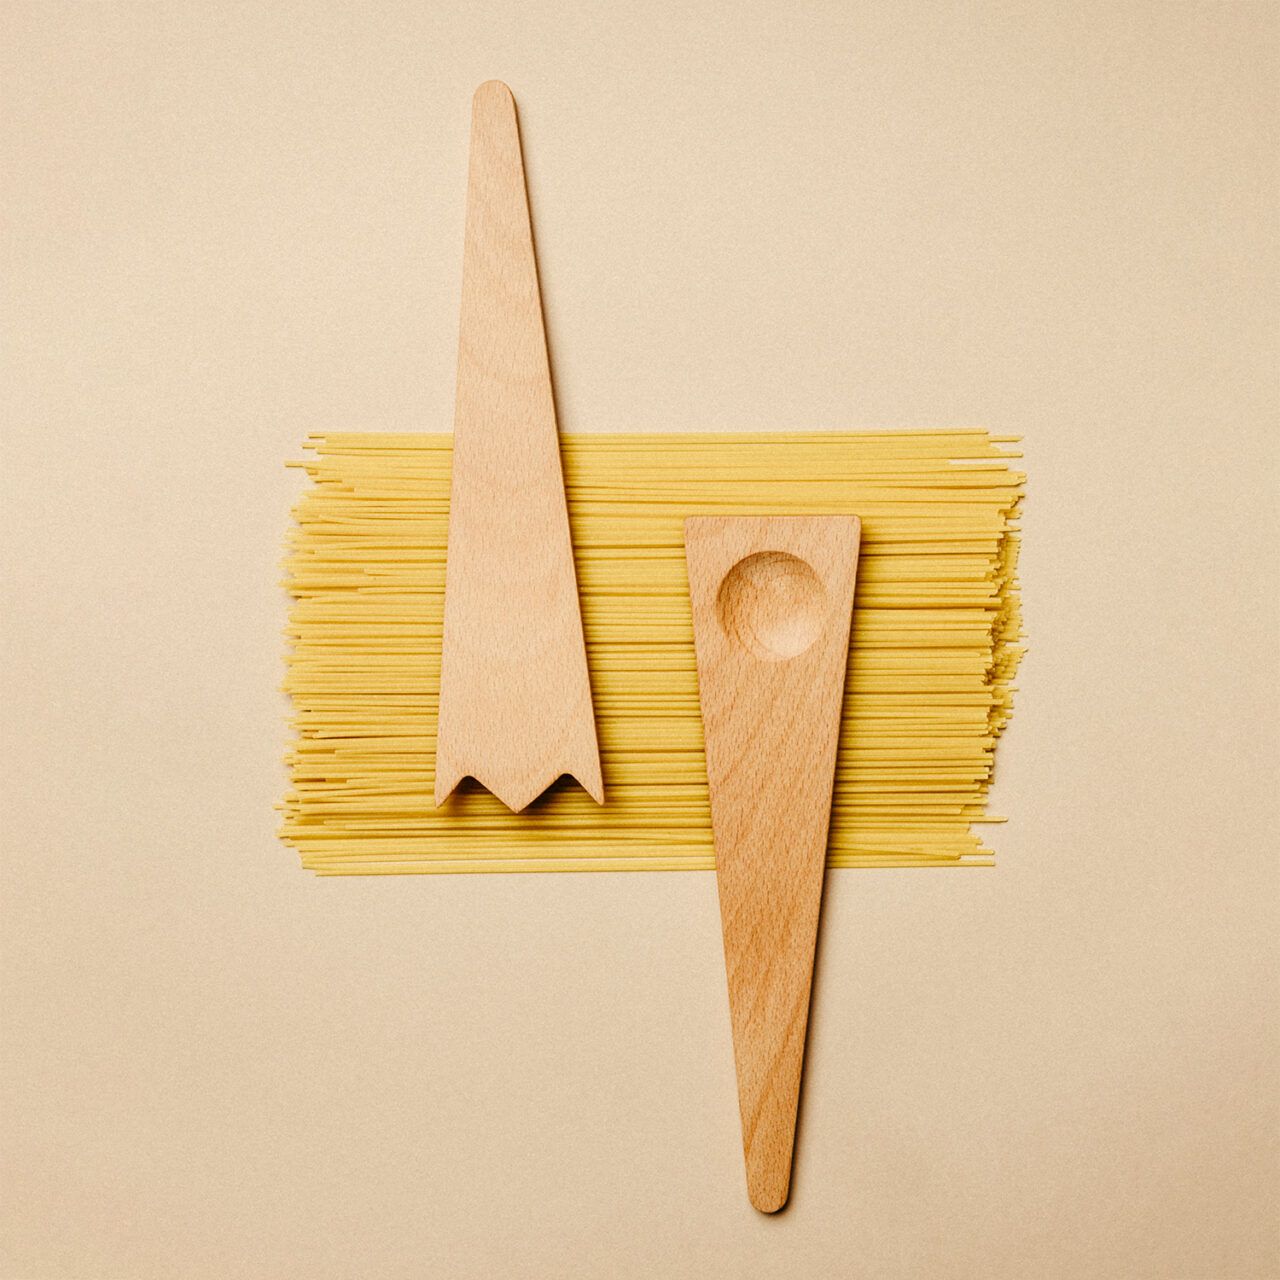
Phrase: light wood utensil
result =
(515, 698)
(772, 601)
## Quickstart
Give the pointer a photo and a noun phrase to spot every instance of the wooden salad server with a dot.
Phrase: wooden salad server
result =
(772, 601)
(515, 697)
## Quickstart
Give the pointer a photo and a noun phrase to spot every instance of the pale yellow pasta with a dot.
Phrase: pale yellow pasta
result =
(934, 650)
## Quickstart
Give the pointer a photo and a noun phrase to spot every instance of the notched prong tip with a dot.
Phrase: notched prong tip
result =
(594, 788)
(516, 796)
(443, 789)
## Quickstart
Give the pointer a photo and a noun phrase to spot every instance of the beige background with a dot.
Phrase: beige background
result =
(231, 223)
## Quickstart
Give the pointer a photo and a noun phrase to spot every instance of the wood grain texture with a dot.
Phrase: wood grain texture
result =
(515, 697)
(772, 602)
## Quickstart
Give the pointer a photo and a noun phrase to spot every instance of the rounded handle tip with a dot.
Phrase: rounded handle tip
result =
(492, 91)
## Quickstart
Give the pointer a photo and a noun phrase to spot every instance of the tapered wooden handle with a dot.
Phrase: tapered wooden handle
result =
(515, 698)
(772, 602)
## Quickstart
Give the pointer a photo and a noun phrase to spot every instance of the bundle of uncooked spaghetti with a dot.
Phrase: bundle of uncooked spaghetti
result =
(934, 648)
